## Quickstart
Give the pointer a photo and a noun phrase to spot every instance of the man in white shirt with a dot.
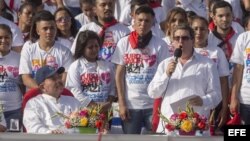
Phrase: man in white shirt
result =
(240, 98)
(39, 111)
(137, 57)
(192, 77)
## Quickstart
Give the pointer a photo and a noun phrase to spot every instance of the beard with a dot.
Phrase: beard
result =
(108, 19)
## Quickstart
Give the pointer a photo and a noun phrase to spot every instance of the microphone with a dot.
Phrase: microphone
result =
(177, 54)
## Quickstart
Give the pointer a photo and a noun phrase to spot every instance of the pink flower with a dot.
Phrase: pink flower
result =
(102, 116)
(83, 113)
(174, 116)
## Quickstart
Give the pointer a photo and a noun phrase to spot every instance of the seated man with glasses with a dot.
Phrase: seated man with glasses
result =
(190, 78)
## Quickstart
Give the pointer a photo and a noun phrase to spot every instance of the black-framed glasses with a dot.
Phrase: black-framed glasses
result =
(184, 38)
(63, 19)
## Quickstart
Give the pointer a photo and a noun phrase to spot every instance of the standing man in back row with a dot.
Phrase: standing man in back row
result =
(137, 57)
(106, 26)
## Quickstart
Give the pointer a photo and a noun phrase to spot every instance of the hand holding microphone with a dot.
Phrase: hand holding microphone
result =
(172, 65)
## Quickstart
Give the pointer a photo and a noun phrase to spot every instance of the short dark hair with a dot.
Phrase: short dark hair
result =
(145, 9)
(91, 2)
(82, 41)
(39, 16)
(34, 3)
(184, 27)
(221, 4)
(6, 28)
(133, 3)
(246, 21)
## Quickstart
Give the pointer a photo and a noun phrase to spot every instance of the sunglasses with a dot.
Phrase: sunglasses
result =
(63, 19)
(184, 38)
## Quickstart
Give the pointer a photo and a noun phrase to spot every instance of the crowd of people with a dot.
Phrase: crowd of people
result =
(142, 54)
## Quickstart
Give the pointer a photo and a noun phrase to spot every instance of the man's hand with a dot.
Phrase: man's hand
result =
(171, 67)
(124, 113)
(234, 105)
(223, 115)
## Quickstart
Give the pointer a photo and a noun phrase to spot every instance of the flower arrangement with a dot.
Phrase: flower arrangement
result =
(90, 118)
(186, 121)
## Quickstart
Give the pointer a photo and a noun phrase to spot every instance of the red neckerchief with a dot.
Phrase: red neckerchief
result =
(225, 40)
(11, 4)
(133, 39)
(211, 26)
(154, 4)
(107, 25)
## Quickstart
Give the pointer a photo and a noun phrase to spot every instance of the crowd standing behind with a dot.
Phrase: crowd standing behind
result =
(121, 43)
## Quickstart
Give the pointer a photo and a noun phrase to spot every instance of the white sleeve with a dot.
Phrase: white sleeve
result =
(125, 17)
(118, 55)
(163, 52)
(157, 86)
(67, 60)
(238, 52)
(185, 2)
(32, 121)
(25, 61)
(73, 83)
(223, 66)
(213, 92)
(17, 37)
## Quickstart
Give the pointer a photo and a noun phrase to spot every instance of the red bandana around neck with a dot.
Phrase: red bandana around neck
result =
(154, 4)
(229, 49)
(107, 25)
(211, 26)
(133, 39)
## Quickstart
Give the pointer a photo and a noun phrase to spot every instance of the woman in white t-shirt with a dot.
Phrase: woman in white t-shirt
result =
(91, 80)
(200, 27)
(66, 27)
(10, 92)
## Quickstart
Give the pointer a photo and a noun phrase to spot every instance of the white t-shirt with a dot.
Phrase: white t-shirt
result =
(39, 111)
(112, 35)
(197, 6)
(218, 57)
(241, 55)
(71, 3)
(198, 76)
(141, 65)
(91, 80)
(10, 94)
(17, 34)
(170, 47)
(82, 19)
(67, 42)
(33, 58)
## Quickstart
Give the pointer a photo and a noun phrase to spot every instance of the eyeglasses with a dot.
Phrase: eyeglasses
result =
(63, 19)
(184, 38)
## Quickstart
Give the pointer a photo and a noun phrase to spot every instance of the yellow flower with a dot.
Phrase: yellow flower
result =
(84, 121)
(94, 112)
(186, 125)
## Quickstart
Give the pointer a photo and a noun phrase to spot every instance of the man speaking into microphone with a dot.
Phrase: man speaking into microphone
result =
(185, 77)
